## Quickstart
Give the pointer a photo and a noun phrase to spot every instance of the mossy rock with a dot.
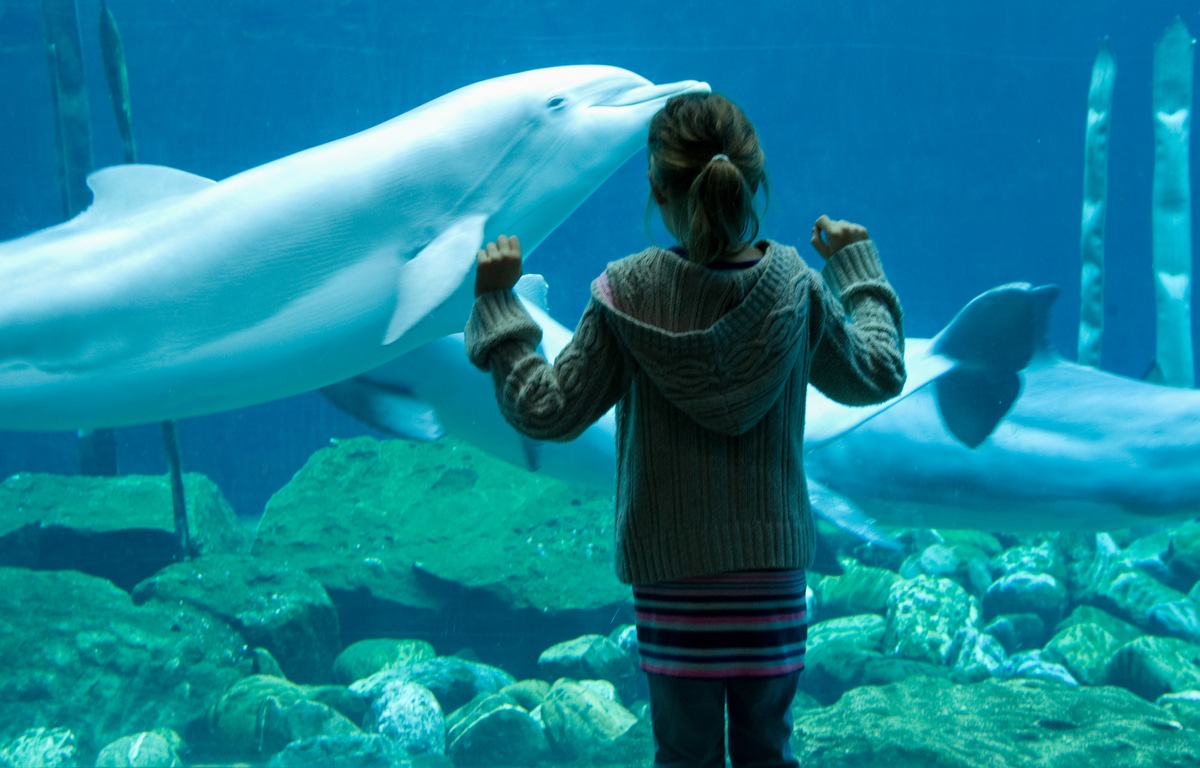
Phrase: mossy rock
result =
(79, 653)
(118, 528)
(405, 522)
(934, 723)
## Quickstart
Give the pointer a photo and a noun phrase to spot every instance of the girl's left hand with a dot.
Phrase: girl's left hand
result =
(498, 266)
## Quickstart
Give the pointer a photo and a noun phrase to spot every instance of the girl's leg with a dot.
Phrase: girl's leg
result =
(760, 721)
(689, 722)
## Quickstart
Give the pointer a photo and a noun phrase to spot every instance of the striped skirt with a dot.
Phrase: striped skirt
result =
(745, 624)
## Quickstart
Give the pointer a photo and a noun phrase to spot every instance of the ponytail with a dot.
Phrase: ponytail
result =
(704, 150)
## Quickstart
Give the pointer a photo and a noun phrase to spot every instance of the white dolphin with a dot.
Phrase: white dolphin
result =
(433, 391)
(1080, 449)
(174, 295)
(994, 431)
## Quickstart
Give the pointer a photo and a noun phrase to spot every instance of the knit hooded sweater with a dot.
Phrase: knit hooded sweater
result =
(709, 371)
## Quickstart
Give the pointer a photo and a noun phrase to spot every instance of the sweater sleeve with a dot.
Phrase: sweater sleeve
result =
(544, 401)
(858, 358)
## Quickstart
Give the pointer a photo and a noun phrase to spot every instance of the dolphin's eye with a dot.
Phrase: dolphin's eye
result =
(556, 102)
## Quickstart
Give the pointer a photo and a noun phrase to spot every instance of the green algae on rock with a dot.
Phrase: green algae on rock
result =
(119, 528)
(926, 722)
(287, 612)
(399, 519)
(85, 657)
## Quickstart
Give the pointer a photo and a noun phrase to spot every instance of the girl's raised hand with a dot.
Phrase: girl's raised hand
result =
(498, 265)
(829, 236)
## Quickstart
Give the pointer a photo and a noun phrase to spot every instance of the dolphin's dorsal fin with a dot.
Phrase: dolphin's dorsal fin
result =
(991, 339)
(123, 189)
(433, 275)
(534, 289)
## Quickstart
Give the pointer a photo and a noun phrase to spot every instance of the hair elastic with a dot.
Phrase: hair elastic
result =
(717, 157)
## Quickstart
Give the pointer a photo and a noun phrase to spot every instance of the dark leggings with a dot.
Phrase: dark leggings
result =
(689, 721)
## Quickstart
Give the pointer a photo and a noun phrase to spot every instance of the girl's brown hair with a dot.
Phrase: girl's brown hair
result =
(705, 150)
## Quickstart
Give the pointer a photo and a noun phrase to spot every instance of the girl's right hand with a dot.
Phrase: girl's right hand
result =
(829, 236)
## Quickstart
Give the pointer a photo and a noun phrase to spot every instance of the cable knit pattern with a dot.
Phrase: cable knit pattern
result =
(709, 372)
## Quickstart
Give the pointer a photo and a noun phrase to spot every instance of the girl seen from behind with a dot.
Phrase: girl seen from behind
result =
(706, 349)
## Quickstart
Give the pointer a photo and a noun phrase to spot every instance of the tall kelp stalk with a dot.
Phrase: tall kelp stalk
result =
(73, 145)
(1171, 213)
(117, 76)
(1095, 206)
(113, 53)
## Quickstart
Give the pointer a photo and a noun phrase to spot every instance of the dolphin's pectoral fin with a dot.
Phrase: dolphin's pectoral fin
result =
(531, 452)
(434, 274)
(843, 514)
(972, 401)
(991, 339)
(388, 409)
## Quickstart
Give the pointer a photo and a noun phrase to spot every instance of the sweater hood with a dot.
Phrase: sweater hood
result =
(720, 345)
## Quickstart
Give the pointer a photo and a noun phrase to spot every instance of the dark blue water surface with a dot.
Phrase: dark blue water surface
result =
(953, 129)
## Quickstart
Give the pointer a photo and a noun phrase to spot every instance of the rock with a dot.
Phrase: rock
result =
(149, 749)
(408, 715)
(838, 652)
(1152, 666)
(528, 694)
(1106, 579)
(578, 723)
(933, 723)
(985, 543)
(602, 688)
(860, 589)
(261, 715)
(118, 528)
(1085, 650)
(1035, 666)
(1086, 614)
(366, 657)
(1032, 558)
(963, 563)
(41, 748)
(924, 615)
(1180, 619)
(975, 655)
(79, 651)
(360, 750)
(625, 638)
(1149, 554)
(586, 657)
(452, 680)
(1018, 631)
(340, 698)
(494, 730)
(1149, 604)
(1024, 592)
(264, 663)
(284, 611)
(1183, 555)
(380, 518)
(1183, 706)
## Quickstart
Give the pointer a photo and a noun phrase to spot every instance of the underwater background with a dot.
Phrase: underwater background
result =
(953, 130)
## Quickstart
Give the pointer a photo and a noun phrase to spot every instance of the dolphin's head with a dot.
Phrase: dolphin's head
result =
(568, 129)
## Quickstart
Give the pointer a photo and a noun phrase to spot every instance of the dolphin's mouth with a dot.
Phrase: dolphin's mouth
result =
(650, 93)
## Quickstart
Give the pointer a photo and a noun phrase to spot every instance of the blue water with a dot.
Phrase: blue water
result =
(953, 130)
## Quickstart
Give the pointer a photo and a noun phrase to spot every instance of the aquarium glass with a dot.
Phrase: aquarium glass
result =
(312, 539)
